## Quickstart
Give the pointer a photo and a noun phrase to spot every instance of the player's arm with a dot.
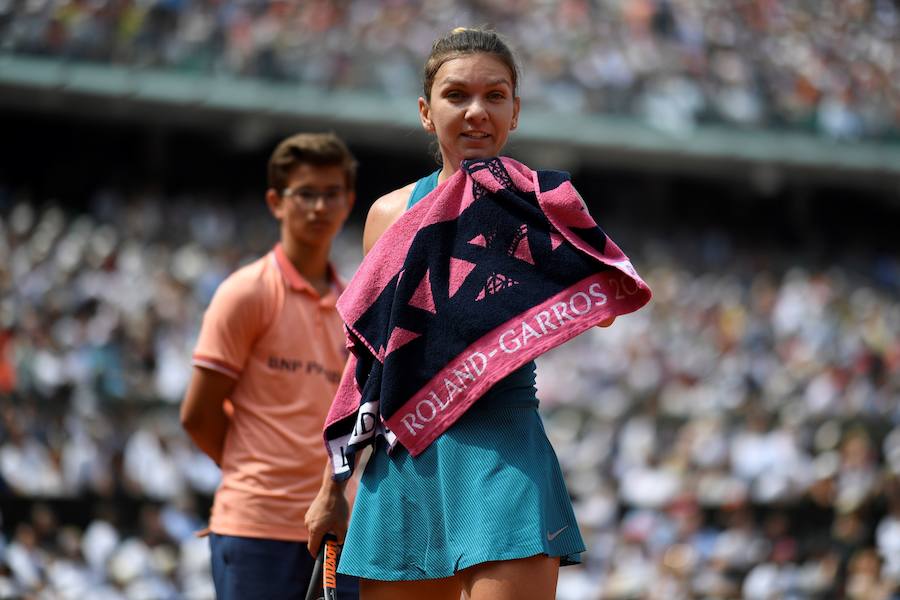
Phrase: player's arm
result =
(203, 410)
(329, 511)
(383, 213)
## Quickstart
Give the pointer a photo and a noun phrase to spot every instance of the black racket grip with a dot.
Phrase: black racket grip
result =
(317, 590)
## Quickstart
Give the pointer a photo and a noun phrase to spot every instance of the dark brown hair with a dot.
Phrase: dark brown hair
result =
(461, 42)
(318, 149)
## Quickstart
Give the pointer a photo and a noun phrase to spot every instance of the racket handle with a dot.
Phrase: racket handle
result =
(314, 591)
(329, 567)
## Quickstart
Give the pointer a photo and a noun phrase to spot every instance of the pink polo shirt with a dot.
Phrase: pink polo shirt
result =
(284, 344)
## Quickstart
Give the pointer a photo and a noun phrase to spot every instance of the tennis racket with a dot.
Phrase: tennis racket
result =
(323, 583)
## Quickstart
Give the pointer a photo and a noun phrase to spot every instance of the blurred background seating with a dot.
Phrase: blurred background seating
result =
(832, 66)
(739, 437)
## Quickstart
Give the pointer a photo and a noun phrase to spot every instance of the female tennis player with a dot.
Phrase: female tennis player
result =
(483, 512)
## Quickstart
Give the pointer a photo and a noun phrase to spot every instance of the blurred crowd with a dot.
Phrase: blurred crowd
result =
(737, 438)
(830, 66)
(159, 559)
(99, 312)
(740, 437)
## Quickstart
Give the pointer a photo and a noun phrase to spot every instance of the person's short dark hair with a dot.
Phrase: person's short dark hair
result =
(317, 149)
(463, 41)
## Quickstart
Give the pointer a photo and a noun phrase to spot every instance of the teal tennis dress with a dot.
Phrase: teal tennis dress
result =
(489, 488)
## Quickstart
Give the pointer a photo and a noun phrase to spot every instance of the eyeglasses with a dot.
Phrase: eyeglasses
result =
(309, 198)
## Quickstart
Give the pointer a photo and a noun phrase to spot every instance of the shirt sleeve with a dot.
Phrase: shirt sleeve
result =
(235, 318)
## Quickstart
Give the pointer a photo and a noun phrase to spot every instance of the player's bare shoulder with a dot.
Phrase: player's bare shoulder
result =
(383, 213)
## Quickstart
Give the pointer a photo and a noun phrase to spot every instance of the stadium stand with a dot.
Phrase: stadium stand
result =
(740, 437)
(831, 66)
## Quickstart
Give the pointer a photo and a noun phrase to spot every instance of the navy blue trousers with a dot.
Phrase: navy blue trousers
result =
(248, 568)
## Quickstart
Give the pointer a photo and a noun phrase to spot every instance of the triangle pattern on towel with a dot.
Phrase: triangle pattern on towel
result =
(523, 251)
(400, 337)
(495, 283)
(423, 298)
(459, 270)
(479, 240)
(555, 241)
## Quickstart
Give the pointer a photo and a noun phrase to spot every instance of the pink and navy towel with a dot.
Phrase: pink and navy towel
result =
(496, 266)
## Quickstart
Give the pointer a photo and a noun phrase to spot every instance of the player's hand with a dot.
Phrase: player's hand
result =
(606, 322)
(329, 513)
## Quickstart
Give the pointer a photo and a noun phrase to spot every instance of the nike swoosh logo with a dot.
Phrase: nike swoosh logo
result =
(552, 536)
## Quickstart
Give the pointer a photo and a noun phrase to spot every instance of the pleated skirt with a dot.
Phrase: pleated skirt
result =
(490, 488)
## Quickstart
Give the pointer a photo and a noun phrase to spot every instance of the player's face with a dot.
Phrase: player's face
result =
(314, 204)
(472, 109)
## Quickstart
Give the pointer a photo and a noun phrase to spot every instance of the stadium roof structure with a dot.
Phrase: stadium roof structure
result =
(258, 110)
